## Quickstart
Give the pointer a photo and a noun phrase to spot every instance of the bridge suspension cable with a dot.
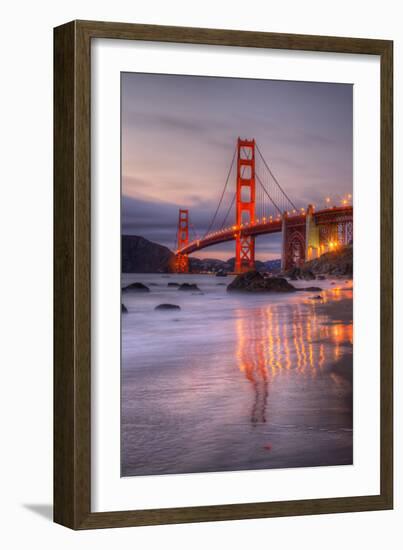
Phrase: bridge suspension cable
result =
(262, 201)
(228, 211)
(222, 194)
(279, 188)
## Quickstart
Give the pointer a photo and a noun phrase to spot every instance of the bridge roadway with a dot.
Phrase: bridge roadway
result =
(326, 216)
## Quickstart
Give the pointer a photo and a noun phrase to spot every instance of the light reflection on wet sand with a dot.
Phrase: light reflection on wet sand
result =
(269, 347)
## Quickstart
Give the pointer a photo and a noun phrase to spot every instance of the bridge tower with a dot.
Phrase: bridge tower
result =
(245, 205)
(182, 260)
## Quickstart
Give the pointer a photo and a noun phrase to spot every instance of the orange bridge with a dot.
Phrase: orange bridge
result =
(262, 207)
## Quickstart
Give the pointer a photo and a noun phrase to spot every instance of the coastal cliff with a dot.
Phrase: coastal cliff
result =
(140, 255)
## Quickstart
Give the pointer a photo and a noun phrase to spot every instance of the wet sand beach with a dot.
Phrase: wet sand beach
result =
(233, 381)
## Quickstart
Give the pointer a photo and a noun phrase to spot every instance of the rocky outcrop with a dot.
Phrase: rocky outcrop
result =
(338, 263)
(253, 281)
(299, 273)
(136, 287)
(124, 309)
(140, 255)
(166, 307)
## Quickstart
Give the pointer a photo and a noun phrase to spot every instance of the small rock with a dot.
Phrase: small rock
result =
(124, 309)
(167, 307)
(317, 297)
(188, 286)
(321, 277)
(173, 284)
(136, 287)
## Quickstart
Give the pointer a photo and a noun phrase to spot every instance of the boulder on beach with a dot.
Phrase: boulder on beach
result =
(124, 309)
(173, 284)
(188, 286)
(166, 307)
(136, 287)
(253, 281)
(299, 273)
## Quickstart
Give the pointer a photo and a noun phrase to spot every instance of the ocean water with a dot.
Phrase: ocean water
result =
(235, 381)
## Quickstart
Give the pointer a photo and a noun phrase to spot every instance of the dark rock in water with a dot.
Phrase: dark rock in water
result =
(321, 277)
(220, 284)
(298, 273)
(136, 287)
(317, 297)
(310, 289)
(307, 275)
(221, 273)
(167, 307)
(188, 286)
(173, 284)
(253, 281)
(124, 309)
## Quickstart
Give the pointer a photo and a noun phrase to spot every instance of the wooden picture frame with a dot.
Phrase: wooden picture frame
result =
(72, 270)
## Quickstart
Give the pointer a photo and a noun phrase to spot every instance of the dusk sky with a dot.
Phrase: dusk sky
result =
(179, 134)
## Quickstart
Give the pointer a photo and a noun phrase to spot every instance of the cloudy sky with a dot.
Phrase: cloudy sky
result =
(179, 135)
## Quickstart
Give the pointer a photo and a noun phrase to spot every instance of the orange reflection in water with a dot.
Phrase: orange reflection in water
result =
(290, 340)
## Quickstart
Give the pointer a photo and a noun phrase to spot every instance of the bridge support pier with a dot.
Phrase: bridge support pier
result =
(283, 241)
(312, 239)
(293, 241)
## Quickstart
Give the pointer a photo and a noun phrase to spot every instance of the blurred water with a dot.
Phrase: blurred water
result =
(235, 381)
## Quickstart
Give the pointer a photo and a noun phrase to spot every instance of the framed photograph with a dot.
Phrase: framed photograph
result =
(223, 218)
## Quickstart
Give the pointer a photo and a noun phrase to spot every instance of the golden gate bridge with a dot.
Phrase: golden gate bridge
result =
(260, 206)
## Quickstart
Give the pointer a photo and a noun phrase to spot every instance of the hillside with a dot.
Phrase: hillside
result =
(140, 255)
